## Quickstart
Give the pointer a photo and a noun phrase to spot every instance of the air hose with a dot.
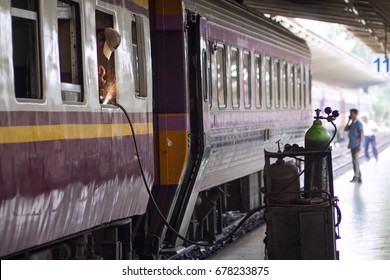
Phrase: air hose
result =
(203, 244)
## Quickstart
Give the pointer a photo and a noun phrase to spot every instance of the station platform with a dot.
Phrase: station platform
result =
(365, 225)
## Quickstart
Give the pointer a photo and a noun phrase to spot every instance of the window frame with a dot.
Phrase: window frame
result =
(204, 62)
(247, 93)
(299, 85)
(277, 82)
(142, 76)
(292, 84)
(238, 86)
(210, 65)
(224, 86)
(309, 83)
(284, 84)
(74, 87)
(259, 80)
(268, 87)
(35, 17)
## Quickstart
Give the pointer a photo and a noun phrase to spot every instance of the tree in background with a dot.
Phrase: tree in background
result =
(380, 105)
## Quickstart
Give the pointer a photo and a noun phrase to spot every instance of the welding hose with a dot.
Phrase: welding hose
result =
(203, 244)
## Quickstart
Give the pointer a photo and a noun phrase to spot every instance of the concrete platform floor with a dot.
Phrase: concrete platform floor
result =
(365, 225)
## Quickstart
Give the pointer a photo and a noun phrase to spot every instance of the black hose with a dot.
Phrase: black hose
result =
(331, 140)
(203, 244)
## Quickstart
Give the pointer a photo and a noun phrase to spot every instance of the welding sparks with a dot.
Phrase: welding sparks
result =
(110, 93)
(107, 87)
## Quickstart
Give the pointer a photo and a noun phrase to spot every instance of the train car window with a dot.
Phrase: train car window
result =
(135, 61)
(221, 75)
(25, 46)
(234, 75)
(304, 87)
(69, 44)
(292, 85)
(299, 86)
(308, 82)
(284, 89)
(259, 80)
(210, 68)
(268, 81)
(204, 74)
(106, 66)
(276, 79)
(138, 62)
(246, 77)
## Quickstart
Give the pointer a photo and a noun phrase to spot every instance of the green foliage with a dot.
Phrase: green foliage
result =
(380, 105)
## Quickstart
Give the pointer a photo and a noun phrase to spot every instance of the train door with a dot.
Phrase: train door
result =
(186, 199)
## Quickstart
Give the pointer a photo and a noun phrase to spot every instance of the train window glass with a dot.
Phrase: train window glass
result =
(210, 68)
(299, 86)
(234, 74)
(135, 60)
(304, 87)
(221, 75)
(259, 81)
(25, 46)
(69, 45)
(284, 89)
(276, 78)
(106, 66)
(246, 77)
(204, 74)
(268, 81)
(139, 61)
(308, 82)
(292, 86)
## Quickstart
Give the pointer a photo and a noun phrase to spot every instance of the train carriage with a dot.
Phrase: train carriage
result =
(68, 168)
(208, 86)
(231, 82)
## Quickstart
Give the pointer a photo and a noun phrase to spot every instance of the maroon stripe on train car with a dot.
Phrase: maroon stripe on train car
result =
(173, 122)
(229, 36)
(169, 22)
(170, 72)
(25, 118)
(31, 169)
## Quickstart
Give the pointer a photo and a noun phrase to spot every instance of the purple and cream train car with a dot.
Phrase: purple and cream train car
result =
(208, 86)
(68, 171)
(228, 83)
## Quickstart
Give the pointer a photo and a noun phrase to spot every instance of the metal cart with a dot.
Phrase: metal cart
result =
(305, 225)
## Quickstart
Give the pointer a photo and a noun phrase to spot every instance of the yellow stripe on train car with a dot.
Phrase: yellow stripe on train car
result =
(142, 3)
(38, 133)
(173, 147)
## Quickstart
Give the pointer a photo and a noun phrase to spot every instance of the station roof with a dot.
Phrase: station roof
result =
(331, 64)
(369, 20)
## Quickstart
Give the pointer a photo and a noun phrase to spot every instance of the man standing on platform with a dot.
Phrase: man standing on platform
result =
(370, 128)
(355, 129)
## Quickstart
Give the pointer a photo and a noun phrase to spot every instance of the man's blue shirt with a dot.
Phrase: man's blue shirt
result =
(354, 134)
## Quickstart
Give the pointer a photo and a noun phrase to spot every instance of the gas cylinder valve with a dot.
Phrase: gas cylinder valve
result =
(331, 115)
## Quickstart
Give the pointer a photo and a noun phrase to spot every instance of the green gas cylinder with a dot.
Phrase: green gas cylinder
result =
(316, 139)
